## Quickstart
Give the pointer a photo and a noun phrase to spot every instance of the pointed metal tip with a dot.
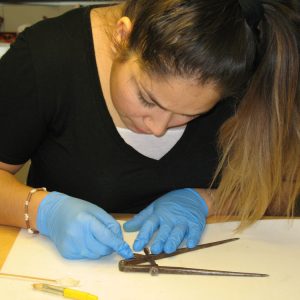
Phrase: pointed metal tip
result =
(255, 275)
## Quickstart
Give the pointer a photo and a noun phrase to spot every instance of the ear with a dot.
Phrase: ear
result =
(124, 27)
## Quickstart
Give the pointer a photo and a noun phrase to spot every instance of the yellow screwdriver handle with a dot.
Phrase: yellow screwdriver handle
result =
(78, 295)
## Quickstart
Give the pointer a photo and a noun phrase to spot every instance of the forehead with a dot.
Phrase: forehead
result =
(177, 93)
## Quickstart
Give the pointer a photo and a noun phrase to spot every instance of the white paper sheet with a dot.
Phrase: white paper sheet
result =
(269, 246)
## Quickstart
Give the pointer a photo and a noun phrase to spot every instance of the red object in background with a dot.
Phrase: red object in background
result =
(7, 37)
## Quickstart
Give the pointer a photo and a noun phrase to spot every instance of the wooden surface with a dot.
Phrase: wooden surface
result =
(7, 238)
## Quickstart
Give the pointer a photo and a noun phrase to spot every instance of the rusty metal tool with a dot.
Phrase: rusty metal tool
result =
(146, 263)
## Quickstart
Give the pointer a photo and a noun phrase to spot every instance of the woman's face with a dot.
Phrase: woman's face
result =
(151, 105)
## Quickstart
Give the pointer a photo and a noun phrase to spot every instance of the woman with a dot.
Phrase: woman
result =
(121, 106)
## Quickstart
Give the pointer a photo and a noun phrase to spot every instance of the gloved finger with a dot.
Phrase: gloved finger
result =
(161, 238)
(146, 233)
(116, 229)
(176, 237)
(107, 237)
(194, 234)
(109, 221)
(96, 249)
(138, 220)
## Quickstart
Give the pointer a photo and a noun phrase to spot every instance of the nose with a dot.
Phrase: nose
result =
(158, 124)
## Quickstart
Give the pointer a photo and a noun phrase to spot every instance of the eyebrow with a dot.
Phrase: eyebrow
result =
(153, 99)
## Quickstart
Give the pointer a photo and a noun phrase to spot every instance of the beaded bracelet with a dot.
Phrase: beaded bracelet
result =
(26, 208)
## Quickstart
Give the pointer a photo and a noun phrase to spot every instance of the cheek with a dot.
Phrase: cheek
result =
(180, 120)
(126, 102)
(119, 91)
(121, 97)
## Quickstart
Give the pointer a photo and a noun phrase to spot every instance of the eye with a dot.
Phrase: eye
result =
(144, 101)
(191, 116)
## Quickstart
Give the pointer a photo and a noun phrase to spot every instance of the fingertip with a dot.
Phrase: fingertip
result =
(139, 245)
(194, 235)
(170, 247)
(128, 255)
(125, 251)
(129, 226)
(138, 220)
(134, 224)
(191, 243)
(157, 248)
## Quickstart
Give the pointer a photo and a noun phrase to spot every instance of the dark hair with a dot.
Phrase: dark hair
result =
(211, 40)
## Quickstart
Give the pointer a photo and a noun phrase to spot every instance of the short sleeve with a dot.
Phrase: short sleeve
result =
(21, 125)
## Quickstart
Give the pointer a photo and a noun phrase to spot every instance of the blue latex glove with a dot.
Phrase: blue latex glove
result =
(177, 215)
(80, 229)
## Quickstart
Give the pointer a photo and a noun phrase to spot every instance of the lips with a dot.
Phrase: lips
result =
(138, 130)
(130, 124)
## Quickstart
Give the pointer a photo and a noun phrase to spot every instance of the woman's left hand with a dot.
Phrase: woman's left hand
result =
(177, 215)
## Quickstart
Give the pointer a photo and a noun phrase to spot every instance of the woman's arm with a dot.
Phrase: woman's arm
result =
(207, 195)
(78, 228)
(12, 197)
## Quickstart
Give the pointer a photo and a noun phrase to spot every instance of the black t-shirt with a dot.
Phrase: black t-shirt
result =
(52, 111)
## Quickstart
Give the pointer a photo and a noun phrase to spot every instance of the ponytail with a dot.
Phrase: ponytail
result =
(260, 144)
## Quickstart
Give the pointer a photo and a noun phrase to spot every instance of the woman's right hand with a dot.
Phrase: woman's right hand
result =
(80, 229)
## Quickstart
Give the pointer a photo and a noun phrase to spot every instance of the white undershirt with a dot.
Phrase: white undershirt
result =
(150, 145)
